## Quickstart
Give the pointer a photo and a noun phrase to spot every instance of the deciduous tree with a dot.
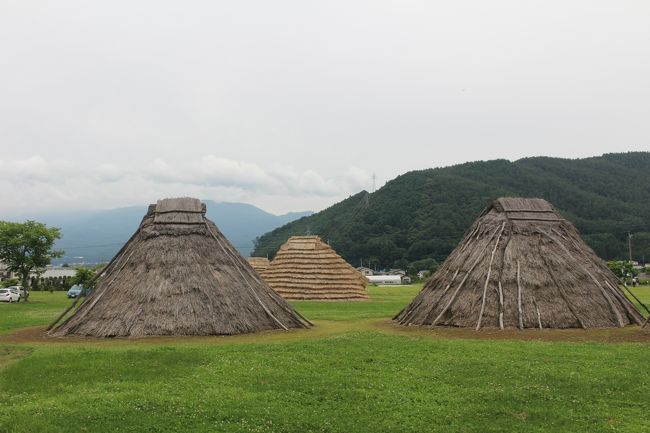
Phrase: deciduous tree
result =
(27, 247)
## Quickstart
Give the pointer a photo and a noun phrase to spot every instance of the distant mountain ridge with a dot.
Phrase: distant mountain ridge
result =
(423, 214)
(95, 236)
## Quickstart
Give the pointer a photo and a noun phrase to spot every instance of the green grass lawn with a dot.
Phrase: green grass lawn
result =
(386, 302)
(346, 375)
(42, 308)
(643, 293)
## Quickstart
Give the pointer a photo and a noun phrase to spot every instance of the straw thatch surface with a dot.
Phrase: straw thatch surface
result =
(307, 268)
(178, 275)
(259, 263)
(521, 265)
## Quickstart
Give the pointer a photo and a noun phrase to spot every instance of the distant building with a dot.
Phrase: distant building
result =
(400, 272)
(50, 273)
(58, 273)
(385, 280)
(424, 274)
(57, 278)
(406, 279)
(365, 271)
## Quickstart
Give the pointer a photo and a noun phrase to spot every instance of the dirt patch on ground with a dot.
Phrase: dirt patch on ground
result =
(629, 334)
(324, 329)
(38, 335)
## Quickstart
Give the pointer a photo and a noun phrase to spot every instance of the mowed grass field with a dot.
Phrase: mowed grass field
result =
(353, 372)
(42, 308)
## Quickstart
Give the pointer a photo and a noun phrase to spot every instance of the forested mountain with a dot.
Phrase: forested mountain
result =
(423, 214)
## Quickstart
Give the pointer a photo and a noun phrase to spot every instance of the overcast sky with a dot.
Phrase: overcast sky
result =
(293, 104)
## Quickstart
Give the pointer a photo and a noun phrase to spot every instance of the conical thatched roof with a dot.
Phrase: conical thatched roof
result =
(178, 275)
(259, 263)
(307, 268)
(521, 265)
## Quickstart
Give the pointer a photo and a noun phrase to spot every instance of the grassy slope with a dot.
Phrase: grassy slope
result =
(360, 380)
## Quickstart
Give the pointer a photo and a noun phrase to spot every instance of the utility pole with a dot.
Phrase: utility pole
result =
(629, 244)
(374, 182)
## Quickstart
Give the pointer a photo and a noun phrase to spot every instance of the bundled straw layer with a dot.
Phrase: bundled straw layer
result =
(307, 268)
(259, 263)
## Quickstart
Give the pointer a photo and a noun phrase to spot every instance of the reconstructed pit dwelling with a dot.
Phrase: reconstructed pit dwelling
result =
(521, 265)
(178, 275)
(305, 267)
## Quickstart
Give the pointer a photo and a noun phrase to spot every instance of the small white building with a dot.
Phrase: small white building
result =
(4, 272)
(366, 271)
(423, 274)
(385, 280)
(59, 273)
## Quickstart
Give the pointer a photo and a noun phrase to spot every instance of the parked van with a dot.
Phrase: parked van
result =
(75, 291)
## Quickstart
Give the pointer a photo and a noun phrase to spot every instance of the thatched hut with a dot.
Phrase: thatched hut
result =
(521, 265)
(178, 275)
(259, 263)
(307, 268)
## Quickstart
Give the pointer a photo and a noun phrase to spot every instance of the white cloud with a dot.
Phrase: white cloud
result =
(215, 171)
(109, 173)
(211, 170)
(158, 170)
(358, 179)
(312, 182)
(36, 169)
(36, 183)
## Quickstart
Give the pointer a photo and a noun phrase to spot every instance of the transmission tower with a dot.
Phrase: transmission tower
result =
(629, 244)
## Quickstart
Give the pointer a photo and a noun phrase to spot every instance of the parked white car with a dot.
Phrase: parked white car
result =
(19, 289)
(9, 295)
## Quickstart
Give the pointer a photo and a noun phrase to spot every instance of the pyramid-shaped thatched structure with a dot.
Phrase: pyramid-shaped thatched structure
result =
(521, 265)
(307, 268)
(259, 263)
(178, 275)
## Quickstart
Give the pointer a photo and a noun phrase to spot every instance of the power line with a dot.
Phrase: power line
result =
(76, 247)
(90, 246)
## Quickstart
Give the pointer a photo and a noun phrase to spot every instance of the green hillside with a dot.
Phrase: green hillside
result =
(423, 214)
